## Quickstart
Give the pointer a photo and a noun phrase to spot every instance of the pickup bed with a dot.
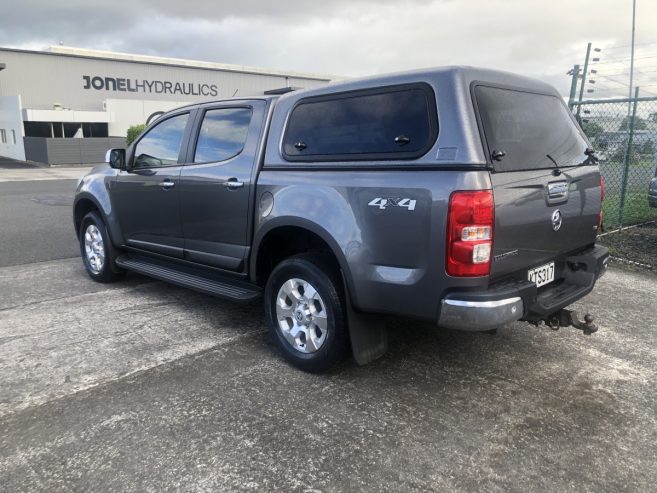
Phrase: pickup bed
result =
(465, 197)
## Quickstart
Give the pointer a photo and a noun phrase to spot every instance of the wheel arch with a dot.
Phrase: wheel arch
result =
(270, 248)
(85, 203)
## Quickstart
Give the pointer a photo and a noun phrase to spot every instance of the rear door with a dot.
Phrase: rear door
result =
(546, 191)
(216, 183)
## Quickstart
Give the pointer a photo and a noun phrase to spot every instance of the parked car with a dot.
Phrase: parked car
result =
(459, 196)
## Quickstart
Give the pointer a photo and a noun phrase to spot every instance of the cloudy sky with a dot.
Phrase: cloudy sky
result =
(540, 38)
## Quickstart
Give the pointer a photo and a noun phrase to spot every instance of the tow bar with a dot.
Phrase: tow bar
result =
(568, 318)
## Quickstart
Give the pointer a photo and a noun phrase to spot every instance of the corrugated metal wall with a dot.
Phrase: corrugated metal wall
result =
(70, 151)
(44, 79)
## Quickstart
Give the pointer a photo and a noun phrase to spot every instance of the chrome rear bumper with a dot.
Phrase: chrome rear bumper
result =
(479, 315)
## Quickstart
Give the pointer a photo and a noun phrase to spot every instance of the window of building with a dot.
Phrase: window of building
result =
(161, 145)
(72, 130)
(13, 136)
(95, 129)
(397, 122)
(3, 135)
(37, 129)
(223, 134)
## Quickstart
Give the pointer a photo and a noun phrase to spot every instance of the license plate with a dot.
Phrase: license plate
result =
(542, 275)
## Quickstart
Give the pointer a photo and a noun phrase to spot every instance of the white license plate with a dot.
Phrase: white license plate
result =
(542, 275)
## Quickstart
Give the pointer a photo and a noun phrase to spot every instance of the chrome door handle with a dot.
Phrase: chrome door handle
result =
(167, 184)
(233, 184)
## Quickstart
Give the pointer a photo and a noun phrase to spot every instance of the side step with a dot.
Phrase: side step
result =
(189, 277)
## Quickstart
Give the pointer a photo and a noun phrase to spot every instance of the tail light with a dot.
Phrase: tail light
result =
(470, 223)
(602, 198)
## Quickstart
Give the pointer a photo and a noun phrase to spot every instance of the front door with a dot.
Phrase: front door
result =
(146, 194)
(216, 184)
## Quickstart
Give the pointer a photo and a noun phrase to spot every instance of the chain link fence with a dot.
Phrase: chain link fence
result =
(624, 134)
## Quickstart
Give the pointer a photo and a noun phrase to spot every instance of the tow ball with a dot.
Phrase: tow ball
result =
(568, 318)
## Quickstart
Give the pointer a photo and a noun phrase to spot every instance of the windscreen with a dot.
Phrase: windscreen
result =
(535, 131)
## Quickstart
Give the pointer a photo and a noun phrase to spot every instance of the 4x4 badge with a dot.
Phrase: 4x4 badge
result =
(382, 203)
(557, 219)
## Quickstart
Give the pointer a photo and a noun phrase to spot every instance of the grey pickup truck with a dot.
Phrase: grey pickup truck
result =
(465, 197)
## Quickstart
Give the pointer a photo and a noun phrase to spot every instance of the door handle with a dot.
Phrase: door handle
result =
(233, 183)
(166, 184)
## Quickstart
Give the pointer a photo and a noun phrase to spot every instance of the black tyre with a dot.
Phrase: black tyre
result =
(98, 253)
(305, 314)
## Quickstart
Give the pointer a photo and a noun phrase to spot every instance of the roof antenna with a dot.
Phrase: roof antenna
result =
(235, 92)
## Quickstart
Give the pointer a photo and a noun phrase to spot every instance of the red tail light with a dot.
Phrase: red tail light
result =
(470, 222)
(602, 198)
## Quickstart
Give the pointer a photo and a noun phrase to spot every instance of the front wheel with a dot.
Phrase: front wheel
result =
(304, 309)
(96, 249)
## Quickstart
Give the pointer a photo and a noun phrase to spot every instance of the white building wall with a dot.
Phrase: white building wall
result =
(11, 121)
(122, 113)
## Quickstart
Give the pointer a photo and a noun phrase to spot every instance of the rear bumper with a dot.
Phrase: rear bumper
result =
(509, 301)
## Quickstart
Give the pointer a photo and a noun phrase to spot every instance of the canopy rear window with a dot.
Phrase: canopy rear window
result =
(535, 131)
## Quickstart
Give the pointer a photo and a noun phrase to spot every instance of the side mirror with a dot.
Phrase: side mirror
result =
(115, 158)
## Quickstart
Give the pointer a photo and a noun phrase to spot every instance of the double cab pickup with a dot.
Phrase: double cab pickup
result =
(465, 197)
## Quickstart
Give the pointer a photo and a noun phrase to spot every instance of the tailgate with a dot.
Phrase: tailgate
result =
(546, 189)
(527, 229)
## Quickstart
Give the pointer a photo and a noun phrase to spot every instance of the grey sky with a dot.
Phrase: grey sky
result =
(358, 37)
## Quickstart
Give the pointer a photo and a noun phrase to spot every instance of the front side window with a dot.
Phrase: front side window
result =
(223, 134)
(534, 131)
(397, 122)
(161, 145)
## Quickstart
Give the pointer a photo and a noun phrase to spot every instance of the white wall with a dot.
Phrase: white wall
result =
(125, 113)
(11, 118)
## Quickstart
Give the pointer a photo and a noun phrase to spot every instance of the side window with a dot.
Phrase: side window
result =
(398, 122)
(223, 134)
(161, 145)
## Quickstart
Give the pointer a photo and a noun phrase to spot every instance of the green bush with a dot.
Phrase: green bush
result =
(133, 133)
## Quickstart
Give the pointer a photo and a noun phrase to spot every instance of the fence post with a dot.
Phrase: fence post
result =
(626, 160)
(573, 88)
(584, 74)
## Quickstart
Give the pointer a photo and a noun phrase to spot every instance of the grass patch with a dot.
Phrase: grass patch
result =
(636, 210)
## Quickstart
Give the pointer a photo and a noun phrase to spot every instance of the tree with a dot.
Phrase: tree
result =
(133, 133)
(592, 129)
(639, 124)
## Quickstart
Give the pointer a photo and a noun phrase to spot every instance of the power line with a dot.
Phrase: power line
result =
(618, 60)
(618, 47)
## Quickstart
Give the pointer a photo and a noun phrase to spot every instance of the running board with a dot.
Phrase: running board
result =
(193, 278)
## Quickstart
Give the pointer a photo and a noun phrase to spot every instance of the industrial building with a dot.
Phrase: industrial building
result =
(68, 105)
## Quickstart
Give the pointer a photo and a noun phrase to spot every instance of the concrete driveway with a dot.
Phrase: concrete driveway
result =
(141, 386)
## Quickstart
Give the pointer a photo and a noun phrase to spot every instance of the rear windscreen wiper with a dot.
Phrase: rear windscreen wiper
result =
(552, 159)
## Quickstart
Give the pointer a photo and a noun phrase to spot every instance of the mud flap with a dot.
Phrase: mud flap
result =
(368, 333)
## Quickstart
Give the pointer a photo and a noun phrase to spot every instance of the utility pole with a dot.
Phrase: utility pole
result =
(584, 73)
(629, 105)
(573, 86)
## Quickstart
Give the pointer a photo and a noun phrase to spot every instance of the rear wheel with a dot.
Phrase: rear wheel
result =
(304, 309)
(97, 251)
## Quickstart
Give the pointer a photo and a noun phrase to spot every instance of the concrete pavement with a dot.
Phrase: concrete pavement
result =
(32, 174)
(140, 386)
